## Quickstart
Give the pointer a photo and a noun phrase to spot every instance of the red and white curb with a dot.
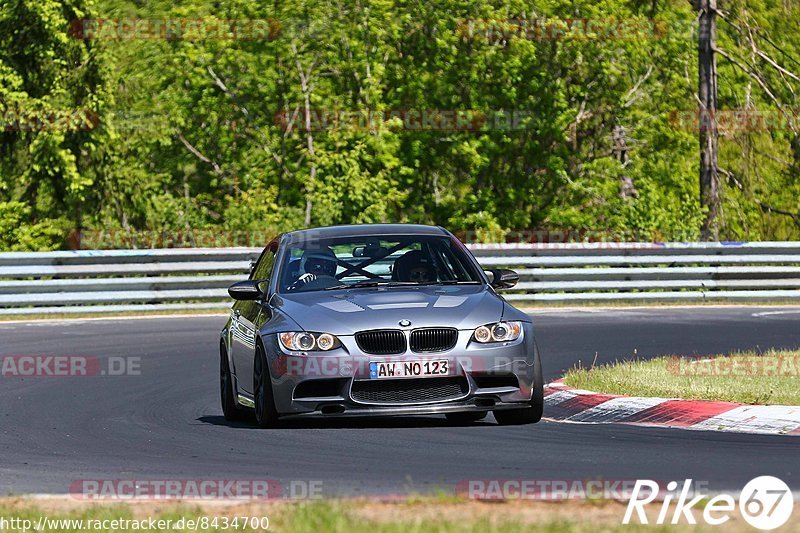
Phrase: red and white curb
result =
(565, 404)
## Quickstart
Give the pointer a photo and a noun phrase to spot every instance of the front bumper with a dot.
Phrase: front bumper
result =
(407, 410)
(490, 377)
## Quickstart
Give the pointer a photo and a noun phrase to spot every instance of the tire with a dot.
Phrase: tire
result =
(532, 413)
(266, 414)
(230, 410)
(466, 417)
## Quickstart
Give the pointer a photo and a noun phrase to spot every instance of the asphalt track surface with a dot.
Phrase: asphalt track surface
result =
(167, 424)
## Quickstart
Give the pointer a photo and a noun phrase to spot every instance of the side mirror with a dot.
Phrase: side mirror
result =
(503, 278)
(245, 290)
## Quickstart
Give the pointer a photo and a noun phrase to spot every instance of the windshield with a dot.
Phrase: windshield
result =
(353, 262)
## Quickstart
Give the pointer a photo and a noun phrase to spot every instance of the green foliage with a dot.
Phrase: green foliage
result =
(51, 87)
(18, 234)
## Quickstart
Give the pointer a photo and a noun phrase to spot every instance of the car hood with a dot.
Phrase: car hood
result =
(344, 312)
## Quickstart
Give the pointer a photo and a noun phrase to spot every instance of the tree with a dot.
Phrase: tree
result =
(52, 89)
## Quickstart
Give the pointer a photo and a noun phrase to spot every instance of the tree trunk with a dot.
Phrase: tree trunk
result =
(311, 155)
(709, 136)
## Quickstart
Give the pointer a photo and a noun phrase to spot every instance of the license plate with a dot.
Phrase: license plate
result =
(407, 369)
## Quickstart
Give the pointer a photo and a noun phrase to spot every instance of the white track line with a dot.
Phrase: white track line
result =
(768, 419)
(756, 419)
(615, 409)
(771, 313)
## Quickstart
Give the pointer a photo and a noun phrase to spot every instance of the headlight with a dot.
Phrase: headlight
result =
(303, 341)
(326, 341)
(499, 332)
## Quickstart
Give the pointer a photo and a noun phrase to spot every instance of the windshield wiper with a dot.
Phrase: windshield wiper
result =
(451, 282)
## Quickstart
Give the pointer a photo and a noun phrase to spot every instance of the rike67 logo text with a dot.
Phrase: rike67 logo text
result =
(765, 503)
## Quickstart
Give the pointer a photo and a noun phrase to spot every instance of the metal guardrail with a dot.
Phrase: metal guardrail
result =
(197, 278)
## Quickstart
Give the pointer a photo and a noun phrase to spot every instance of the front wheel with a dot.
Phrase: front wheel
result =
(532, 413)
(265, 411)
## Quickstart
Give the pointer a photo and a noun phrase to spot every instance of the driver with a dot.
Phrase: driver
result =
(316, 264)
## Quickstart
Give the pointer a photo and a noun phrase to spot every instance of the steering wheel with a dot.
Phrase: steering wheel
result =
(314, 282)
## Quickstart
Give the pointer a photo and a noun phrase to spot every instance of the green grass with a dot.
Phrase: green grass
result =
(32, 512)
(354, 516)
(771, 378)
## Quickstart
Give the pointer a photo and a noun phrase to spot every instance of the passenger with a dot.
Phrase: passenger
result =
(413, 266)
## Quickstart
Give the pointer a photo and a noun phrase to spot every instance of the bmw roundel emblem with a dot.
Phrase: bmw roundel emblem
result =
(405, 323)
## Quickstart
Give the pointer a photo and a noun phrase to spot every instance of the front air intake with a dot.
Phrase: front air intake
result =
(433, 339)
(381, 341)
(410, 391)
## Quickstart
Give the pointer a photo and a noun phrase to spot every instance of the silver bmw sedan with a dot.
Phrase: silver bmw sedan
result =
(377, 319)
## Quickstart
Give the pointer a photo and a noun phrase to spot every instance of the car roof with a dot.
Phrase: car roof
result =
(365, 230)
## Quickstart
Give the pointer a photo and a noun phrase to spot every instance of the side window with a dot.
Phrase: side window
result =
(263, 269)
